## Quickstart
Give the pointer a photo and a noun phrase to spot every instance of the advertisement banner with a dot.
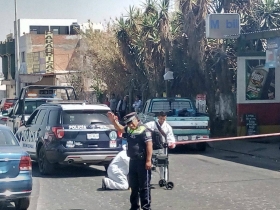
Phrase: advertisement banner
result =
(260, 81)
(273, 43)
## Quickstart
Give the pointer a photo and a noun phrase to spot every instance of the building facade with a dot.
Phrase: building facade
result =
(7, 54)
(47, 51)
(258, 95)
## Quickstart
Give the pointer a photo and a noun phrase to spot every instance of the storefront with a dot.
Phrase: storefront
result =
(258, 92)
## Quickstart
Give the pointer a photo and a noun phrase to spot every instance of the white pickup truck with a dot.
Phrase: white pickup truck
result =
(186, 122)
(16, 118)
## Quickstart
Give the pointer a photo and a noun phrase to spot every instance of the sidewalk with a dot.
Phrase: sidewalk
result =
(260, 148)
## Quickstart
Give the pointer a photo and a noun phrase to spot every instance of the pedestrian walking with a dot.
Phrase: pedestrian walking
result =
(139, 149)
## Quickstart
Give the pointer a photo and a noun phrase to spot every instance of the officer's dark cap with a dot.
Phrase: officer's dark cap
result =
(129, 117)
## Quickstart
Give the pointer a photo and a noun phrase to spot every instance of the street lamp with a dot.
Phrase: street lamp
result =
(17, 53)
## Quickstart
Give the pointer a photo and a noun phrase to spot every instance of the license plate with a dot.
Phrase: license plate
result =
(93, 136)
(113, 144)
(182, 138)
(194, 137)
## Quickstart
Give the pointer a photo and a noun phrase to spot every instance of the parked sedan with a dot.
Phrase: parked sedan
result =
(15, 171)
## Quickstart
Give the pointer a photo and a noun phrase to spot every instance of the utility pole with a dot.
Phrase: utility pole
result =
(17, 53)
(167, 48)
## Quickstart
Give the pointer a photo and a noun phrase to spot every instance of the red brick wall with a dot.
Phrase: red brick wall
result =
(64, 48)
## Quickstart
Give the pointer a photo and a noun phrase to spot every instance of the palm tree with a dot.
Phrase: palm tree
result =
(266, 13)
(144, 42)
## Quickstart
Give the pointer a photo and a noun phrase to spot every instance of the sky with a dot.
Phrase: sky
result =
(95, 10)
(82, 10)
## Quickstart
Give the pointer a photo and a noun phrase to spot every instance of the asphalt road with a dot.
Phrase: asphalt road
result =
(216, 179)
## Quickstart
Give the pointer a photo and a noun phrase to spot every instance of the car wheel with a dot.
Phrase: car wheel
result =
(201, 146)
(22, 204)
(45, 167)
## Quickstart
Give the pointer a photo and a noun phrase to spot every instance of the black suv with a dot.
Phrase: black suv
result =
(69, 133)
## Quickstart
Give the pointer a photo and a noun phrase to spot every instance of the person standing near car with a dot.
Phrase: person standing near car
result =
(139, 149)
(113, 103)
(122, 107)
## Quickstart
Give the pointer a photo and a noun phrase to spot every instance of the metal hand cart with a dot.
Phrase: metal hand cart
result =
(160, 160)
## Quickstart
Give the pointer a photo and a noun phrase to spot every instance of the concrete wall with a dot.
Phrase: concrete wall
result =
(2, 90)
(10, 91)
(94, 26)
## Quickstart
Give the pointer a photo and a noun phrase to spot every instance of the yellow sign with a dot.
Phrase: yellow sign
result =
(49, 52)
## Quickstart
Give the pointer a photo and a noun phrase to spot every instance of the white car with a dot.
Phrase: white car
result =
(17, 117)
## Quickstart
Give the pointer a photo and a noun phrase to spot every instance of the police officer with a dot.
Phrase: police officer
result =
(139, 149)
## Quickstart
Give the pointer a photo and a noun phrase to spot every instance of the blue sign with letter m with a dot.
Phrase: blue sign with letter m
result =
(215, 24)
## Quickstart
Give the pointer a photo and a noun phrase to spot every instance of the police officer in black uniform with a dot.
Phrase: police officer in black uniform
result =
(139, 149)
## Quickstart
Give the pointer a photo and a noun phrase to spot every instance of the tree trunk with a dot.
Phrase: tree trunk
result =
(226, 112)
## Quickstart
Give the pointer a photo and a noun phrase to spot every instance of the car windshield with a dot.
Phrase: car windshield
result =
(7, 138)
(30, 106)
(85, 117)
(166, 105)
